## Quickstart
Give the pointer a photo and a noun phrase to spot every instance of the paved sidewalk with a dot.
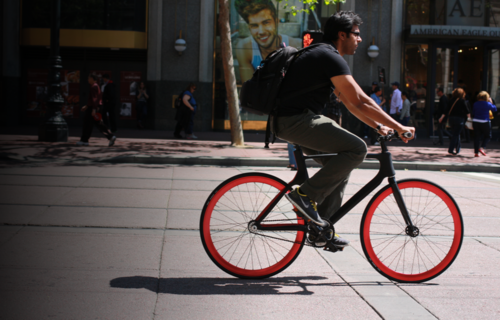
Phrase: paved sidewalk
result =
(121, 241)
(416, 155)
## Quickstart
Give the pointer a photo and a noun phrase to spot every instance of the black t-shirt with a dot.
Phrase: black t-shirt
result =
(311, 68)
(461, 108)
(443, 104)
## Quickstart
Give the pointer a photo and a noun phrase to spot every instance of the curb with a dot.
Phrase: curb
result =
(276, 162)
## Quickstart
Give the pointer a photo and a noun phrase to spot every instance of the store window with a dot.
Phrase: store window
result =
(126, 15)
(445, 58)
(494, 74)
(258, 27)
(493, 7)
(415, 75)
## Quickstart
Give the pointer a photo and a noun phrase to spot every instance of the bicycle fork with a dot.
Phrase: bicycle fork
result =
(411, 230)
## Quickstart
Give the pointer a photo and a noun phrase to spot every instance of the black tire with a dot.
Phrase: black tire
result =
(225, 234)
(396, 255)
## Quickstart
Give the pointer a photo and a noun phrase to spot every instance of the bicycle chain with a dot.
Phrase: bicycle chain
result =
(263, 235)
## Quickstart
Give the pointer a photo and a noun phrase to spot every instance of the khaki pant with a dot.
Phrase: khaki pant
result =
(318, 134)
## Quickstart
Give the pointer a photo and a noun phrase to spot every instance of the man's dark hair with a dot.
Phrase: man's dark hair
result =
(93, 76)
(404, 93)
(246, 8)
(191, 85)
(105, 76)
(377, 89)
(440, 89)
(340, 21)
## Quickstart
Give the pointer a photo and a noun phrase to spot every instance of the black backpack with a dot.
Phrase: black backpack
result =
(178, 101)
(259, 95)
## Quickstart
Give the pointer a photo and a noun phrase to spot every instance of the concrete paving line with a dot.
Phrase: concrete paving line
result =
(283, 162)
(384, 296)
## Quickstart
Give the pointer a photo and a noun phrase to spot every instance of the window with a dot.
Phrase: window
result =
(494, 74)
(415, 75)
(91, 14)
(417, 12)
(493, 7)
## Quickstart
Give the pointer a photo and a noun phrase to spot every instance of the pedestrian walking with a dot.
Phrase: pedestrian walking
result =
(108, 90)
(378, 98)
(185, 115)
(404, 117)
(292, 164)
(93, 116)
(396, 101)
(142, 105)
(481, 122)
(441, 107)
(457, 111)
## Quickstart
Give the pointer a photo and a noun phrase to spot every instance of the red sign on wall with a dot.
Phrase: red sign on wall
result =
(37, 92)
(129, 83)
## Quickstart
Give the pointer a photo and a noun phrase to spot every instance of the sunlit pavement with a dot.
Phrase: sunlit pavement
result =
(93, 241)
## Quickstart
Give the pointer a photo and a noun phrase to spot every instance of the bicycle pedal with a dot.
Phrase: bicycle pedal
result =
(332, 248)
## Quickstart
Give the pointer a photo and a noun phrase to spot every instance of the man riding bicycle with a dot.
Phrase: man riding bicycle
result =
(300, 121)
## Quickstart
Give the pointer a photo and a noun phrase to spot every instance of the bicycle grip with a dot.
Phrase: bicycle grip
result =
(407, 135)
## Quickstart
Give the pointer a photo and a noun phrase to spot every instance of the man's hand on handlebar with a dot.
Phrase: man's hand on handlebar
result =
(405, 130)
(385, 131)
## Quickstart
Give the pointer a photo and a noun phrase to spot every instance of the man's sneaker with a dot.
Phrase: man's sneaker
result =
(306, 206)
(81, 143)
(112, 141)
(340, 242)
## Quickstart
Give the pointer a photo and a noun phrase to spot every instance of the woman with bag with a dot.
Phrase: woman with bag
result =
(483, 112)
(458, 111)
(185, 114)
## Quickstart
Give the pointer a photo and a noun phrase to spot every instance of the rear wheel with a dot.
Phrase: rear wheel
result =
(405, 256)
(231, 240)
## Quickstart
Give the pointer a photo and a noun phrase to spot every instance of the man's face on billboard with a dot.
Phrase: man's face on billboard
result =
(263, 28)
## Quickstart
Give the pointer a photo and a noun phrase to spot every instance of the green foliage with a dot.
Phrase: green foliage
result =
(311, 5)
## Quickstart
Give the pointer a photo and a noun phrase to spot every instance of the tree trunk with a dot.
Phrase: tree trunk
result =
(229, 77)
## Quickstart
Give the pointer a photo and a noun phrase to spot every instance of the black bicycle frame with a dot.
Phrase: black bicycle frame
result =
(386, 171)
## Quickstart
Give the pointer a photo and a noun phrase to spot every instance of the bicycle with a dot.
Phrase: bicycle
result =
(411, 230)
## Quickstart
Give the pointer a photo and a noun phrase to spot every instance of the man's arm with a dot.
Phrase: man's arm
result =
(363, 107)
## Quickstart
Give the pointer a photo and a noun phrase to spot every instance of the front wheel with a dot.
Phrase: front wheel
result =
(231, 239)
(405, 256)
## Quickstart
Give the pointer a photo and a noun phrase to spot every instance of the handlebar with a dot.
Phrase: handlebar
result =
(394, 135)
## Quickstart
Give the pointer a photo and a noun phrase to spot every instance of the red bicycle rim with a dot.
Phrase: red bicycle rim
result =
(223, 262)
(455, 246)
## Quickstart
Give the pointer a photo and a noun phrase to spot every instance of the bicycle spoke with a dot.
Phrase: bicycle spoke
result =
(418, 257)
(231, 244)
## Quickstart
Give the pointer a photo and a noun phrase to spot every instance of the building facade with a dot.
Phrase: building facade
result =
(423, 44)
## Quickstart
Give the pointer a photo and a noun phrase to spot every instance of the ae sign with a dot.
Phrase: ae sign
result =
(465, 12)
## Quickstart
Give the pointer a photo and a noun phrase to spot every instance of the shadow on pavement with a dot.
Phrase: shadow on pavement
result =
(211, 286)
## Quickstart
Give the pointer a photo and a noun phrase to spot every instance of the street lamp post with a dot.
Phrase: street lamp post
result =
(54, 128)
